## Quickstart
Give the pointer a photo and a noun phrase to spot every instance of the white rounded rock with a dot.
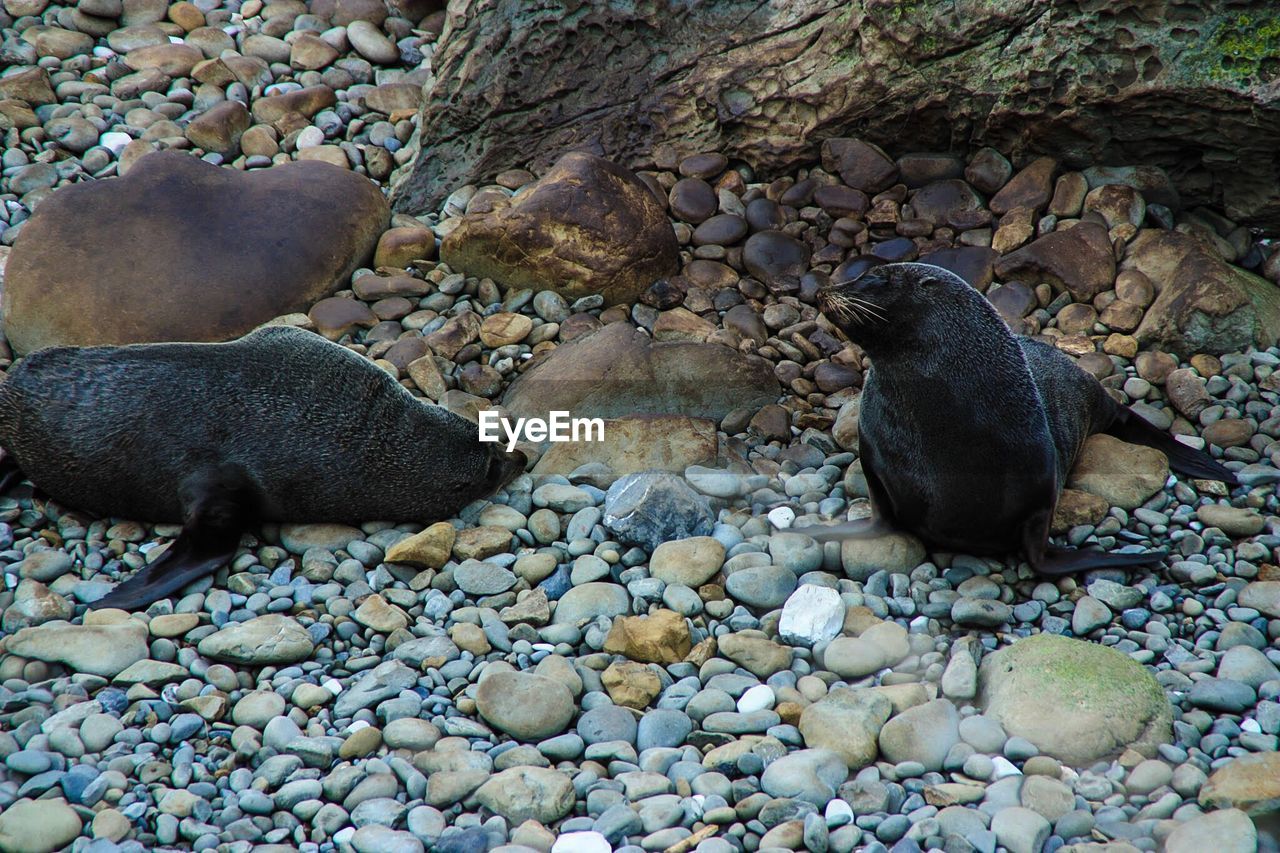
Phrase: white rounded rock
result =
(811, 616)
(758, 698)
(781, 517)
(587, 841)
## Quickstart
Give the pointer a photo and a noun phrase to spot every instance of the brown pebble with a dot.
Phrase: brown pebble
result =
(704, 166)
(1121, 315)
(1155, 366)
(505, 328)
(693, 200)
(1206, 365)
(1235, 432)
(1099, 364)
(335, 316)
(1124, 346)
(1077, 318)
(399, 247)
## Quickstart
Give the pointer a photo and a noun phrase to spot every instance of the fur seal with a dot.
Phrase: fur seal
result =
(967, 432)
(279, 425)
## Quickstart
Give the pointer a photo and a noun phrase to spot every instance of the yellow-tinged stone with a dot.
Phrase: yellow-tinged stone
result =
(661, 637)
(630, 684)
(374, 612)
(429, 548)
(361, 743)
(173, 624)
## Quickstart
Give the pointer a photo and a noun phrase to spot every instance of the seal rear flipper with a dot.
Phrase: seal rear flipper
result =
(1131, 427)
(1066, 561)
(188, 559)
(10, 473)
(1049, 560)
(217, 502)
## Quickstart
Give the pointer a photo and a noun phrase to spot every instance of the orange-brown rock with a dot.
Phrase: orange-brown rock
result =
(588, 226)
(181, 250)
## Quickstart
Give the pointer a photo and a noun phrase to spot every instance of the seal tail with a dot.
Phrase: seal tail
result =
(1129, 426)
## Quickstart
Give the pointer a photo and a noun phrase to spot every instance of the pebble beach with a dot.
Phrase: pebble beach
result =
(629, 647)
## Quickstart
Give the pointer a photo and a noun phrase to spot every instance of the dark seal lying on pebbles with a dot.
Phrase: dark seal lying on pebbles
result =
(966, 432)
(280, 425)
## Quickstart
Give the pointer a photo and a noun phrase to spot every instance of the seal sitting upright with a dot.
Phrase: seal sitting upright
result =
(280, 425)
(966, 432)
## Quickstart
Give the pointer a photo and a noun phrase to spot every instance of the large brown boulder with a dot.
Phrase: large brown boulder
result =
(1203, 303)
(637, 443)
(181, 250)
(619, 370)
(1180, 84)
(1077, 259)
(588, 226)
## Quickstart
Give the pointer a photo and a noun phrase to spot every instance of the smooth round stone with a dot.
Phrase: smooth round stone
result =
(853, 657)
(764, 587)
(524, 705)
(607, 723)
(663, 727)
(775, 258)
(723, 229)
(693, 200)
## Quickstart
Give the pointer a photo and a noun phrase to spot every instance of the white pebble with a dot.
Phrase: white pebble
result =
(781, 517)
(838, 813)
(587, 841)
(334, 686)
(343, 836)
(114, 141)
(1251, 726)
(758, 698)
(812, 615)
(357, 725)
(310, 137)
(1004, 767)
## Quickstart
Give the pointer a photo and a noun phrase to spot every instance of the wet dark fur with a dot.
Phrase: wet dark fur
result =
(280, 425)
(317, 432)
(967, 433)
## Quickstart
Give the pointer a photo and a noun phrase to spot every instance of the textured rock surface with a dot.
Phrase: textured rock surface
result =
(1203, 303)
(1114, 702)
(619, 370)
(589, 226)
(768, 83)
(177, 251)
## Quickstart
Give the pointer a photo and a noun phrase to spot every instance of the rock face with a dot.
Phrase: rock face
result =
(618, 370)
(177, 251)
(589, 226)
(1203, 303)
(1114, 703)
(768, 83)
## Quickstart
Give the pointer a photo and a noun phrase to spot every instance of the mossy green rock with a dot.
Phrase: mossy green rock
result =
(1076, 701)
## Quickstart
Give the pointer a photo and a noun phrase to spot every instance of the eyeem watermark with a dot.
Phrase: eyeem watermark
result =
(560, 426)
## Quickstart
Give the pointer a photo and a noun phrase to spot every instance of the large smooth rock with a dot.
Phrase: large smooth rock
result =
(38, 826)
(1250, 783)
(1203, 303)
(181, 250)
(105, 650)
(1078, 260)
(270, 639)
(1226, 831)
(618, 370)
(524, 705)
(637, 443)
(1125, 475)
(588, 226)
(528, 793)
(1076, 701)
(847, 722)
(767, 84)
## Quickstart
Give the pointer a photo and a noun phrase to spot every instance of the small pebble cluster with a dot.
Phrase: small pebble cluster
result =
(605, 656)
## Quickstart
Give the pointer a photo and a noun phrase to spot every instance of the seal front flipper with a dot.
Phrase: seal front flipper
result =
(217, 503)
(1129, 426)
